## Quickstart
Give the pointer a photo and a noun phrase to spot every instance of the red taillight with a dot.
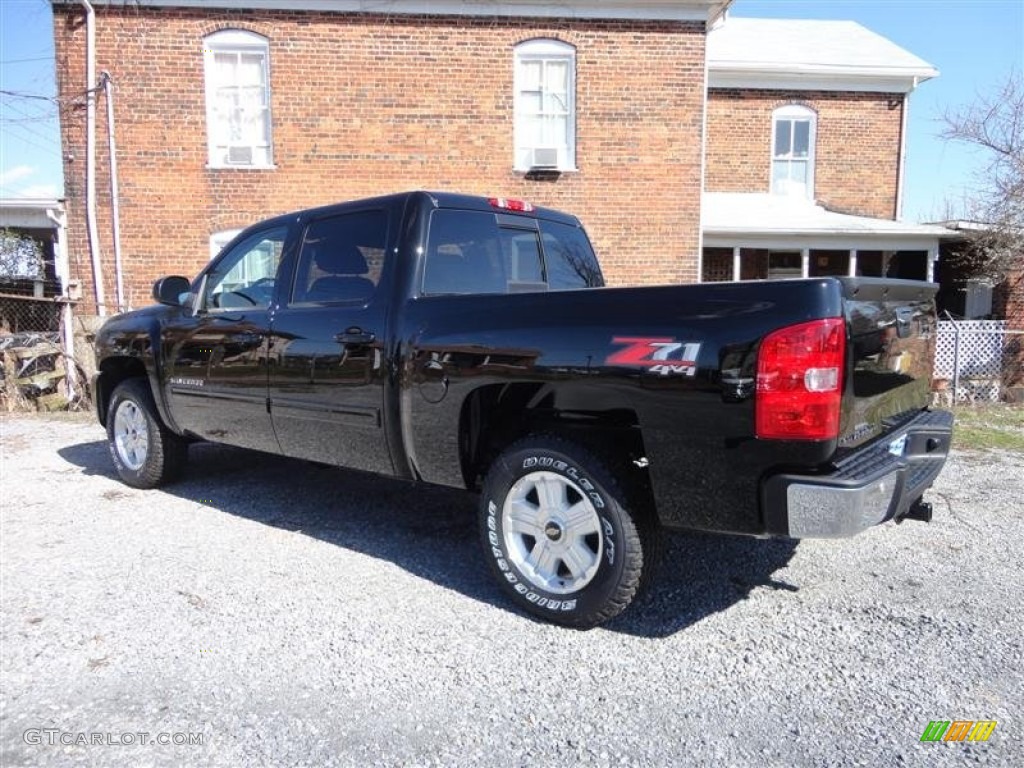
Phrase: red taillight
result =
(800, 381)
(511, 205)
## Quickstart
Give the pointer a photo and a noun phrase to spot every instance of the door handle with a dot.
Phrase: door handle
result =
(355, 337)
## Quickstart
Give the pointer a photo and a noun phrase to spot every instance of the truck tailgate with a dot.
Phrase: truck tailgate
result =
(891, 447)
(892, 351)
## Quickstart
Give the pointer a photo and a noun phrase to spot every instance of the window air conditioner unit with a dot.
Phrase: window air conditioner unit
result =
(239, 156)
(544, 159)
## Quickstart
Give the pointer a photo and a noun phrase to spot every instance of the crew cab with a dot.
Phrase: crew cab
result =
(470, 342)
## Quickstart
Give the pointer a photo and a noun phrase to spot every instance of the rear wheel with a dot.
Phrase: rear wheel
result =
(146, 454)
(559, 532)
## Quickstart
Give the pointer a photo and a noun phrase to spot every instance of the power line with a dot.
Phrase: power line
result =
(23, 120)
(25, 141)
(24, 61)
(23, 113)
(35, 134)
(29, 137)
(17, 95)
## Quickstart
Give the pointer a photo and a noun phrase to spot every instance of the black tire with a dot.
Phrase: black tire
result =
(131, 413)
(523, 536)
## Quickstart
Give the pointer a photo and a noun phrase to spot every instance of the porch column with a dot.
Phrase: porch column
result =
(853, 263)
(805, 262)
(933, 256)
(736, 270)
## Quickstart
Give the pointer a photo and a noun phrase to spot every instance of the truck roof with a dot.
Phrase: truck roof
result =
(436, 200)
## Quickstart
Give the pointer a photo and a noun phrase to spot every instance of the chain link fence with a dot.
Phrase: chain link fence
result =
(27, 306)
(34, 370)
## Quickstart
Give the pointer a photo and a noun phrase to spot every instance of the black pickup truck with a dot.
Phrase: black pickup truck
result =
(470, 342)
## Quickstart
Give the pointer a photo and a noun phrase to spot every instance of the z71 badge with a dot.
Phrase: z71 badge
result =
(660, 355)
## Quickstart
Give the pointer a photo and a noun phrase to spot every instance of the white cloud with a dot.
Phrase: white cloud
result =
(46, 191)
(16, 173)
(24, 181)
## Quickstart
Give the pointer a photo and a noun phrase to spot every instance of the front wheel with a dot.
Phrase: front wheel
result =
(558, 532)
(146, 454)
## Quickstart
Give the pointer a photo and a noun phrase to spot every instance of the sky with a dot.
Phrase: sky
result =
(975, 44)
(30, 162)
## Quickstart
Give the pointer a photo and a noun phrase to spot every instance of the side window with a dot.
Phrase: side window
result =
(342, 259)
(244, 277)
(570, 258)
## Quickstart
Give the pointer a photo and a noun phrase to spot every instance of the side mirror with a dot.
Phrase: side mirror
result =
(173, 290)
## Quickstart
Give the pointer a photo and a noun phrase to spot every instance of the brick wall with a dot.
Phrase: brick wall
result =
(1009, 300)
(857, 148)
(1008, 303)
(369, 104)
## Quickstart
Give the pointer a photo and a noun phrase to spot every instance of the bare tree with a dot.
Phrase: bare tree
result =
(994, 124)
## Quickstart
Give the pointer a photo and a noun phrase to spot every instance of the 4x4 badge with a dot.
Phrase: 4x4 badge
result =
(656, 354)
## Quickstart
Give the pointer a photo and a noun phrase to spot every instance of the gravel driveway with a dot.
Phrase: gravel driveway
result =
(290, 614)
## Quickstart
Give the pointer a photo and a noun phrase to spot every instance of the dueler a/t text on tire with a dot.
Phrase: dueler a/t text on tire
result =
(146, 454)
(557, 530)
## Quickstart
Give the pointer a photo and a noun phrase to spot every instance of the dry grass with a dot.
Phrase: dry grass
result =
(989, 427)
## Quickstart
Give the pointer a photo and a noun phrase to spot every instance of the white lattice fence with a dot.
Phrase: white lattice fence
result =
(969, 358)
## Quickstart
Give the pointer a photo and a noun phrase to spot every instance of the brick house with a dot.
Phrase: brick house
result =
(225, 115)
(687, 144)
(805, 151)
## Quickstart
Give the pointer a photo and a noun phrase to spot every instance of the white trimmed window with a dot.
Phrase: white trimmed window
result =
(793, 135)
(545, 106)
(237, 65)
(219, 239)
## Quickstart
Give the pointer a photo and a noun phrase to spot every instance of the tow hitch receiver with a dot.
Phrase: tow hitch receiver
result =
(919, 510)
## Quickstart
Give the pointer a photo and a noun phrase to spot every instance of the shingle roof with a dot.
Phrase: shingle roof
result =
(809, 46)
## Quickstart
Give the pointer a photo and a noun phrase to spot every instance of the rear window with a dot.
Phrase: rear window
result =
(570, 259)
(474, 252)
